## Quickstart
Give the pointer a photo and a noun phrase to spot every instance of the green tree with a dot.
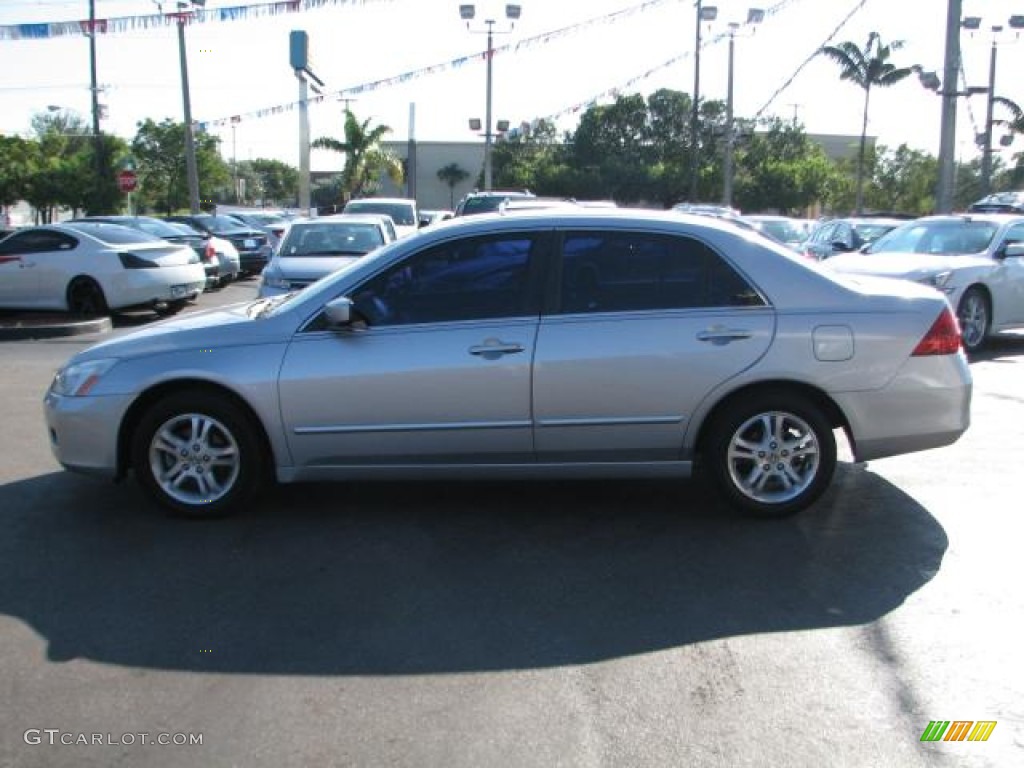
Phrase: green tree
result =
(365, 158)
(271, 181)
(18, 160)
(903, 180)
(452, 174)
(159, 151)
(780, 168)
(867, 68)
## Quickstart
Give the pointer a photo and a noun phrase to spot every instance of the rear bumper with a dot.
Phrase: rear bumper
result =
(927, 405)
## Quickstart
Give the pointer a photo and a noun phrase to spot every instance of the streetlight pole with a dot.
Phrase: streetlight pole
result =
(729, 128)
(694, 110)
(467, 13)
(986, 154)
(191, 168)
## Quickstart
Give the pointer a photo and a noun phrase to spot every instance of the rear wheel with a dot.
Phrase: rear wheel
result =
(85, 298)
(772, 455)
(974, 317)
(197, 453)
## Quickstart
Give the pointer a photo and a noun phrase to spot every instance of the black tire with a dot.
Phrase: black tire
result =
(175, 449)
(975, 317)
(85, 298)
(772, 454)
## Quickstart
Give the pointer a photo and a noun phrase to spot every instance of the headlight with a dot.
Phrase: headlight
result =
(78, 379)
(939, 280)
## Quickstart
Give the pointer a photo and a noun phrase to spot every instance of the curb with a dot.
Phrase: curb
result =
(20, 329)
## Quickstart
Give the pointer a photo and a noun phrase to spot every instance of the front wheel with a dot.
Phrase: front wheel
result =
(772, 455)
(974, 318)
(197, 453)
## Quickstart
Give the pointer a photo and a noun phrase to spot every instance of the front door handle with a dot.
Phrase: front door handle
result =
(492, 349)
(721, 335)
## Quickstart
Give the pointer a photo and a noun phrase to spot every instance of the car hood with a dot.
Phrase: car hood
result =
(909, 266)
(310, 267)
(209, 329)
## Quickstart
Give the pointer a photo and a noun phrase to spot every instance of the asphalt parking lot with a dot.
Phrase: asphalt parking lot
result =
(519, 624)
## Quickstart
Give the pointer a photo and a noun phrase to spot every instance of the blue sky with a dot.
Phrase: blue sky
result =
(240, 67)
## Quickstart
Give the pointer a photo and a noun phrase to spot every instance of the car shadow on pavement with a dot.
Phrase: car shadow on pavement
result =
(420, 578)
(1000, 348)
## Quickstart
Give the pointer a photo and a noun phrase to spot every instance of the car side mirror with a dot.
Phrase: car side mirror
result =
(339, 312)
(838, 246)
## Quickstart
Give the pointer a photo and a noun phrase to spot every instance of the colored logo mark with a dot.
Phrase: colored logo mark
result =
(958, 730)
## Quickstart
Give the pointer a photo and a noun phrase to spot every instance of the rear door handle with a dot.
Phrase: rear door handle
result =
(724, 335)
(494, 348)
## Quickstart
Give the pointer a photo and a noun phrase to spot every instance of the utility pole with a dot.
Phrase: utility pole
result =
(695, 111)
(947, 138)
(99, 164)
(191, 167)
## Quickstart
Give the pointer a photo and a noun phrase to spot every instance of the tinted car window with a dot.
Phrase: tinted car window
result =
(112, 233)
(330, 239)
(620, 272)
(469, 279)
(402, 215)
(37, 241)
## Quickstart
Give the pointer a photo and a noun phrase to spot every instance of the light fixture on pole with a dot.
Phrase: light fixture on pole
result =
(467, 12)
(705, 13)
(754, 16)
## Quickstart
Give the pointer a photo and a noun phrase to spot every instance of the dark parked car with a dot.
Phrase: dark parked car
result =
(844, 235)
(1000, 202)
(253, 245)
(270, 223)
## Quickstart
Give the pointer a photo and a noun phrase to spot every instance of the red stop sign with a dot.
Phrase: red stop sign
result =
(127, 181)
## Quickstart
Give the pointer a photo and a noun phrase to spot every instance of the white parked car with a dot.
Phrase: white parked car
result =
(976, 260)
(90, 268)
(314, 248)
(402, 210)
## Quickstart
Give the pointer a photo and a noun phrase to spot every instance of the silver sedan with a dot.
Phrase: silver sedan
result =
(559, 343)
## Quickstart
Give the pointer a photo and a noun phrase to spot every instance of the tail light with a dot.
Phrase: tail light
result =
(131, 261)
(210, 254)
(943, 338)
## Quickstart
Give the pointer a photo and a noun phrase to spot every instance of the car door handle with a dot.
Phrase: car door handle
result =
(495, 348)
(720, 335)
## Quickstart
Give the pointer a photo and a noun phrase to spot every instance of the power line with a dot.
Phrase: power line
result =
(789, 81)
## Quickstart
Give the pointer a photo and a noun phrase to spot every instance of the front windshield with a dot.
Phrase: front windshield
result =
(330, 239)
(944, 237)
(221, 224)
(784, 231)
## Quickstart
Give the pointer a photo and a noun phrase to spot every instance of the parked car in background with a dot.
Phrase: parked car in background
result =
(560, 343)
(488, 202)
(229, 263)
(433, 217)
(317, 247)
(832, 236)
(1000, 202)
(219, 271)
(786, 230)
(90, 268)
(253, 245)
(271, 223)
(707, 209)
(976, 260)
(403, 211)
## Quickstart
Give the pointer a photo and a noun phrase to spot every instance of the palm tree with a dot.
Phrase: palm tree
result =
(451, 175)
(867, 67)
(365, 158)
(1016, 122)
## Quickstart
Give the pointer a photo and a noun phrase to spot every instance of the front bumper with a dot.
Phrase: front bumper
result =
(83, 431)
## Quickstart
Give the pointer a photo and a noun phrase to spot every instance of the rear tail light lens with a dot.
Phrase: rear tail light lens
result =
(943, 338)
(210, 254)
(131, 261)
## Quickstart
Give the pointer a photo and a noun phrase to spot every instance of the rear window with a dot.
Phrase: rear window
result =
(402, 214)
(114, 234)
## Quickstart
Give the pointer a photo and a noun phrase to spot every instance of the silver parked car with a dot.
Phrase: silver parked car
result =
(559, 343)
